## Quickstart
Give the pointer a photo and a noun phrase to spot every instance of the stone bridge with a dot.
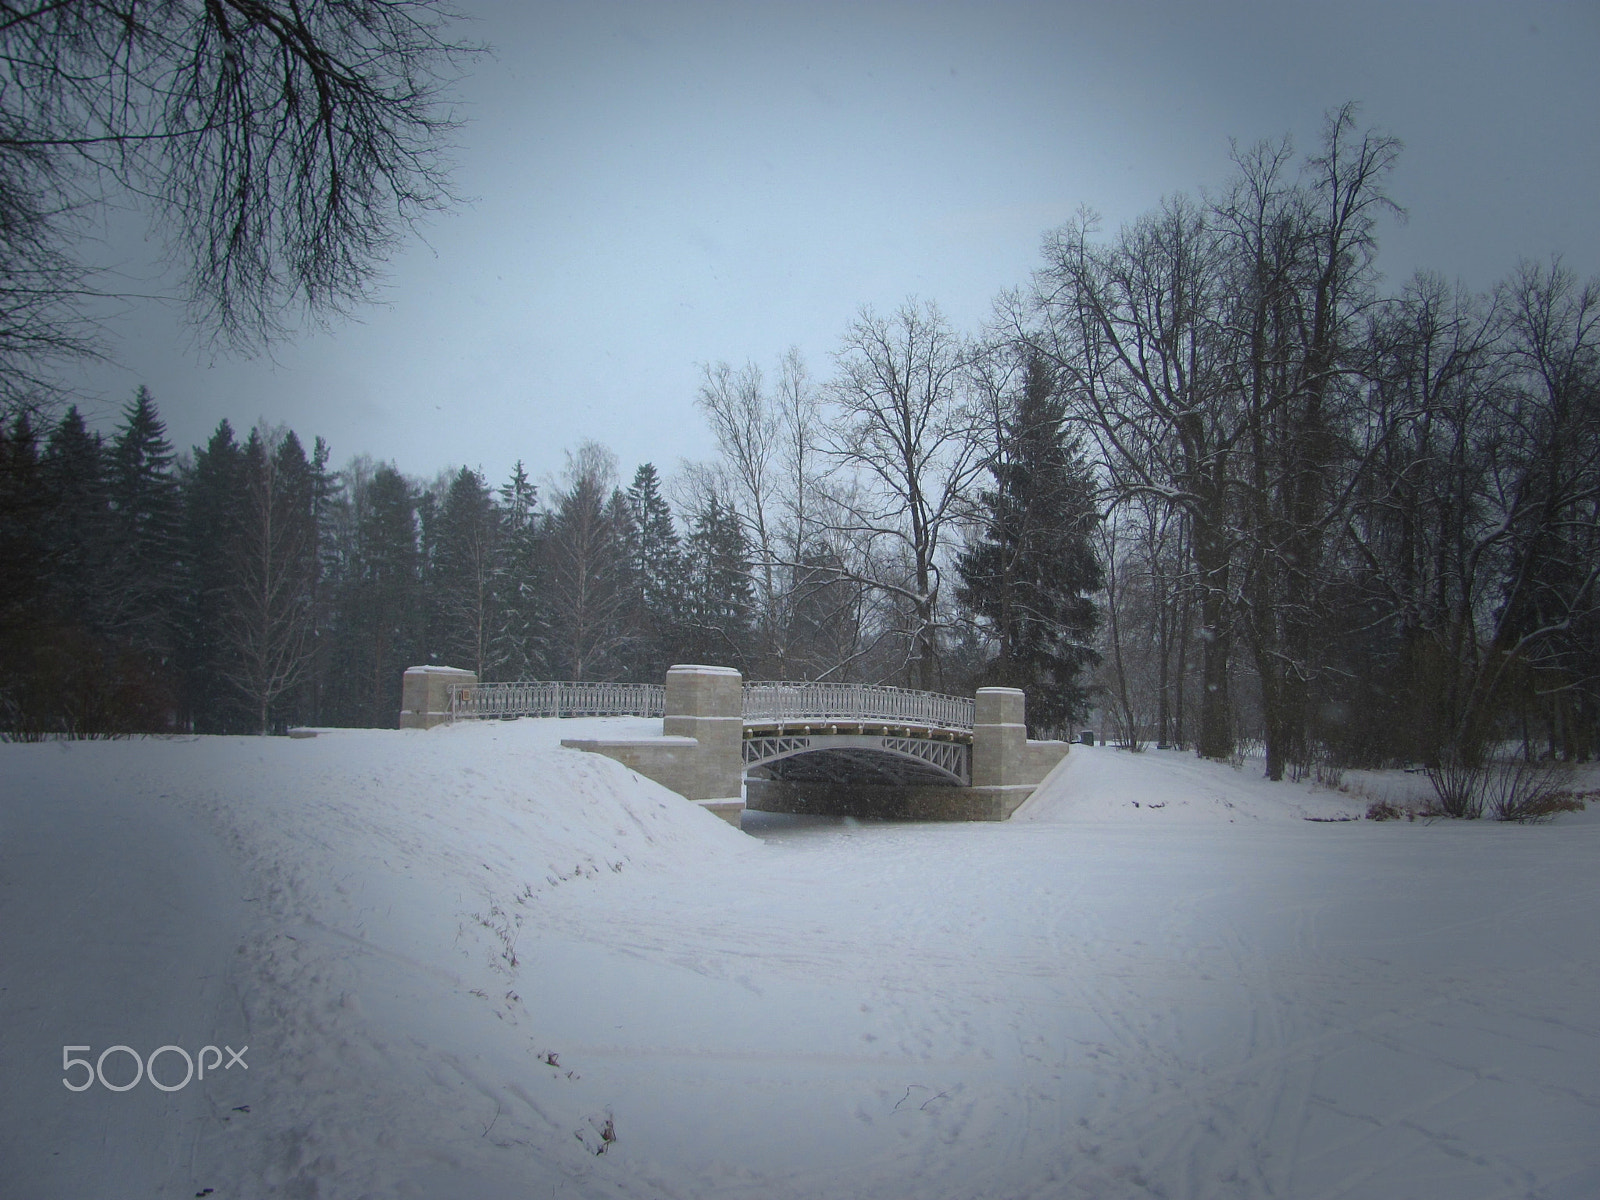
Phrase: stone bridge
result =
(825, 748)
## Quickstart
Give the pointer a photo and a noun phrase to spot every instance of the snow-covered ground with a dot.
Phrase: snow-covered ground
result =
(469, 963)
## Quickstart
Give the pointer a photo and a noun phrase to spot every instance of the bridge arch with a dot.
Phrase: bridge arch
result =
(833, 757)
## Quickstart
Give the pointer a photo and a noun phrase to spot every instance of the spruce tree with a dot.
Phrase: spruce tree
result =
(214, 490)
(22, 587)
(22, 520)
(521, 632)
(657, 568)
(1031, 577)
(68, 683)
(145, 506)
(465, 563)
(591, 585)
(386, 616)
(327, 489)
(825, 614)
(77, 529)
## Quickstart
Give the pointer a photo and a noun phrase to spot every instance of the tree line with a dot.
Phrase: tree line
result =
(1205, 475)
(1359, 527)
(247, 585)
(1208, 474)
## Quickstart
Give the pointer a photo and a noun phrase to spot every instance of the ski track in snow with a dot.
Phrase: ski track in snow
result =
(462, 958)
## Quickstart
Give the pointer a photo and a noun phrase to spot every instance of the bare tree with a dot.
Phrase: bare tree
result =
(41, 284)
(749, 432)
(1544, 471)
(1126, 700)
(1299, 255)
(282, 146)
(768, 439)
(1215, 351)
(588, 568)
(1419, 512)
(269, 621)
(908, 428)
(1137, 328)
(1476, 526)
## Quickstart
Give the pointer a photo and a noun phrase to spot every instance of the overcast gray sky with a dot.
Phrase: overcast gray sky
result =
(659, 185)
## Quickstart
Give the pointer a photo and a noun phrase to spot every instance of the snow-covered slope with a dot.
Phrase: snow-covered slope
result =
(1102, 784)
(472, 963)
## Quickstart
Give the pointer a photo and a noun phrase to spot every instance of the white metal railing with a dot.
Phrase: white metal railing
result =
(764, 702)
(782, 703)
(549, 698)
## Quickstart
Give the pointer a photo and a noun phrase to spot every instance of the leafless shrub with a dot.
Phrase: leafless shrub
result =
(1458, 787)
(1528, 791)
(1322, 765)
(1506, 790)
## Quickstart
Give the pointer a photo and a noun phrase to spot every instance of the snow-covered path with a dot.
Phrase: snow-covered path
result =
(475, 953)
(140, 914)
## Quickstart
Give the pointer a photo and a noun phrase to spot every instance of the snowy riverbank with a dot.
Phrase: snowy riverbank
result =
(469, 962)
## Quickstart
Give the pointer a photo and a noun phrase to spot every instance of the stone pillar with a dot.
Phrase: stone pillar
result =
(707, 704)
(700, 753)
(425, 695)
(1006, 766)
(999, 732)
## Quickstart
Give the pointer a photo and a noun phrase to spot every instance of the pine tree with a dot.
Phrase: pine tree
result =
(214, 490)
(465, 559)
(521, 587)
(657, 568)
(145, 506)
(1030, 578)
(386, 615)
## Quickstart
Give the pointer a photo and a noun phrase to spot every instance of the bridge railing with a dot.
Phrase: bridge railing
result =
(782, 703)
(774, 702)
(557, 698)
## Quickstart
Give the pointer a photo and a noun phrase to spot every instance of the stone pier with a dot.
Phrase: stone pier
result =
(1006, 765)
(699, 754)
(425, 695)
